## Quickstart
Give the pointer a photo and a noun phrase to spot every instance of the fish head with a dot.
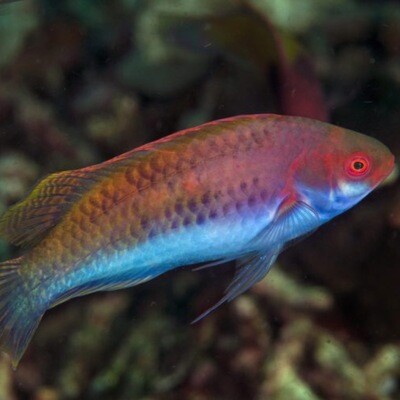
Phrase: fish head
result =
(342, 167)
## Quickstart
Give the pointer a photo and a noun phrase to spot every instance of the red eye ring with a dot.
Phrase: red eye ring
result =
(358, 166)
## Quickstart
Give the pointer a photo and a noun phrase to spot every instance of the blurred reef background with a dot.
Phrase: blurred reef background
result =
(84, 80)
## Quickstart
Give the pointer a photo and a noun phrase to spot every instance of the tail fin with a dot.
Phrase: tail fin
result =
(18, 316)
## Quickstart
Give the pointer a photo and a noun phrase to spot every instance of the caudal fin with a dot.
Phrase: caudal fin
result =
(18, 316)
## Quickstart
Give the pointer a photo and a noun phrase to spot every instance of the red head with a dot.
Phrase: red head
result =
(341, 168)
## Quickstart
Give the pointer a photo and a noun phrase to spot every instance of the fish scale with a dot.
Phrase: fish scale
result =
(239, 188)
(181, 217)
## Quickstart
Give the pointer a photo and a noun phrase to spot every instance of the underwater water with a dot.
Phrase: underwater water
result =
(82, 81)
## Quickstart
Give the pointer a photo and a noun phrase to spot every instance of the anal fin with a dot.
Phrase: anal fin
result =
(107, 284)
(214, 263)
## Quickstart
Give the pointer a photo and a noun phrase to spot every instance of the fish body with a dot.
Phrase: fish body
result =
(240, 188)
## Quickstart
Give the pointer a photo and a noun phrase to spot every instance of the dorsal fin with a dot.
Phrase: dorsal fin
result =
(29, 220)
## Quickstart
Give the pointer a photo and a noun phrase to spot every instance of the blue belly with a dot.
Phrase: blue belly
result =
(224, 238)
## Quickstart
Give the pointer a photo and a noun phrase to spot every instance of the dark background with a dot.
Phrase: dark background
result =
(84, 80)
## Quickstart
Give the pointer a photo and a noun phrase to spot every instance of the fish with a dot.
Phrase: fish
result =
(242, 188)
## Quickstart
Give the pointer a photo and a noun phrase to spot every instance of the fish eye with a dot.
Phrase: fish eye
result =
(358, 166)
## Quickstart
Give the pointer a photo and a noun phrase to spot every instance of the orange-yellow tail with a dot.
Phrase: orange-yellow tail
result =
(19, 316)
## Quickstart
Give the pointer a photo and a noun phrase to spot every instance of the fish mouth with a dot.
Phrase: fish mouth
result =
(392, 163)
(392, 175)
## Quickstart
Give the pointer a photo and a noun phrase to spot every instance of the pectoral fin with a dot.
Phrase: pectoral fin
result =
(293, 220)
